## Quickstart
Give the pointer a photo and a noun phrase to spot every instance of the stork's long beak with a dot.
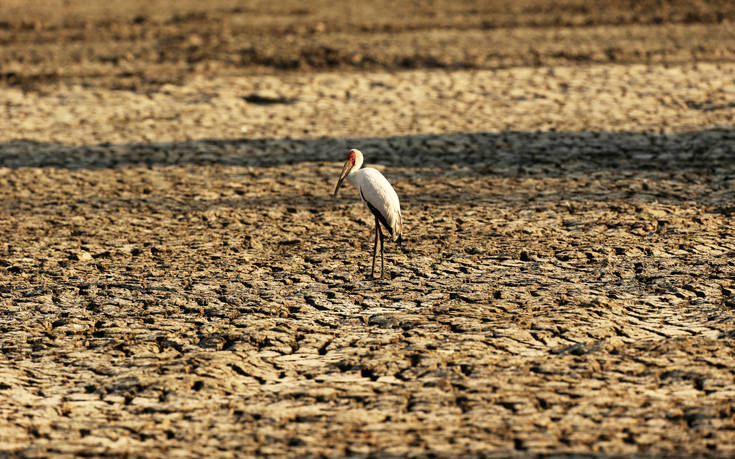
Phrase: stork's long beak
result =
(345, 171)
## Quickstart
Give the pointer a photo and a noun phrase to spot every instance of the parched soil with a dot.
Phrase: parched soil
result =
(176, 279)
(142, 44)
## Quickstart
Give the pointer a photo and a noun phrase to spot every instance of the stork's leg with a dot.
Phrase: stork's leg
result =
(380, 232)
(375, 247)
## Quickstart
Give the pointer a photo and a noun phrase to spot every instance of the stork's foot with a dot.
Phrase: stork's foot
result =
(377, 276)
(373, 275)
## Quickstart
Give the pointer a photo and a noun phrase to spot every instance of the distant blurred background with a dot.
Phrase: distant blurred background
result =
(142, 44)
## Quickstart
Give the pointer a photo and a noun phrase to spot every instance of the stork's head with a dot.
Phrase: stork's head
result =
(352, 165)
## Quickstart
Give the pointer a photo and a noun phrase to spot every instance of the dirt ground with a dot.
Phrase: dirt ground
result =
(176, 279)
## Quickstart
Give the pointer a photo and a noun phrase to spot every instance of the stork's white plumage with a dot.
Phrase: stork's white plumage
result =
(378, 195)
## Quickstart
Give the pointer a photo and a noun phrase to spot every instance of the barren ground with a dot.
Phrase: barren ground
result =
(175, 278)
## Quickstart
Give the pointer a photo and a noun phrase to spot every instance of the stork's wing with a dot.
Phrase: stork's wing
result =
(382, 200)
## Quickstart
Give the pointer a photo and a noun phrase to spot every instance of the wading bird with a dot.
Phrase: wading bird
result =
(380, 198)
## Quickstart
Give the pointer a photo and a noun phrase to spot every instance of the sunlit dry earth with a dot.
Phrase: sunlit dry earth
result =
(176, 279)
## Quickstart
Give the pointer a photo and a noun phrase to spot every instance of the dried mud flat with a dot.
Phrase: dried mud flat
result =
(175, 278)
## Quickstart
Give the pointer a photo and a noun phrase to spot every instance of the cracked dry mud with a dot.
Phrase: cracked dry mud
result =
(175, 278)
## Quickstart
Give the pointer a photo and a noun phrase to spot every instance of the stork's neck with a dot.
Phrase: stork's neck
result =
(353, 173)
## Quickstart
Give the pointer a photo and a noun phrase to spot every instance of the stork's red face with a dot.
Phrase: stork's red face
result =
(349, 164)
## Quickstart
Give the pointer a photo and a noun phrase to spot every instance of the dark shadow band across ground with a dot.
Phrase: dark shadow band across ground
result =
(486, 153)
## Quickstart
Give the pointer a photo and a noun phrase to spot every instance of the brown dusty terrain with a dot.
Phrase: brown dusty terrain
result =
(176, 280)
(141, 44)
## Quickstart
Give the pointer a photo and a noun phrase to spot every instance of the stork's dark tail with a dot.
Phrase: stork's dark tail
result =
(399, 229)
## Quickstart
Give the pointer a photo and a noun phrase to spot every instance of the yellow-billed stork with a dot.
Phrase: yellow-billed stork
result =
(380, 198)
